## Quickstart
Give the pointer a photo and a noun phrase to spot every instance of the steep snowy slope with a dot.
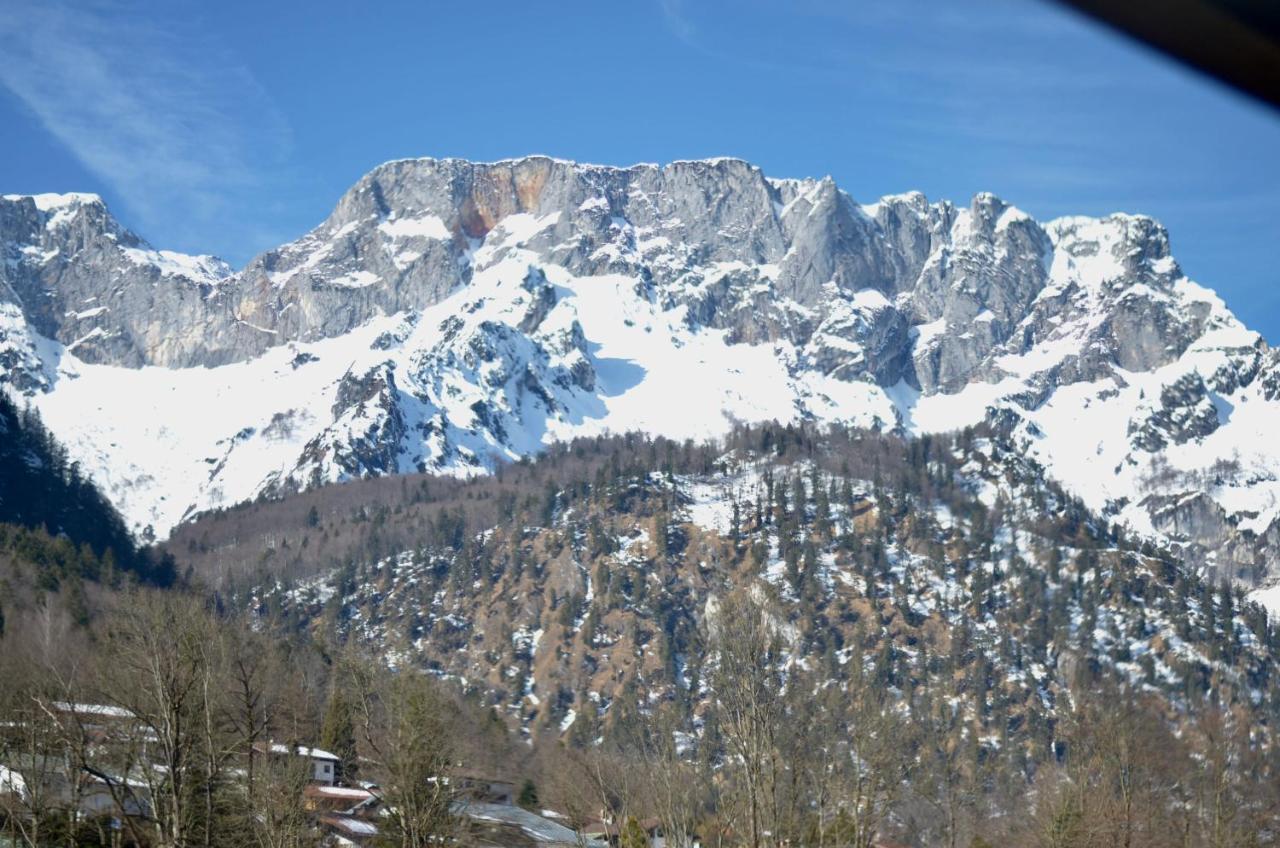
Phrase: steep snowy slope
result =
(450, 315)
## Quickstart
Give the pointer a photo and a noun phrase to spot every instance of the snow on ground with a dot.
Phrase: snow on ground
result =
(167, 442)
(425, 226)
(1269, 598)
(356, 280)
(201, 269)
(60, 208)
(1084, 442)
(710, 505)
(161, 441)
(924, 334)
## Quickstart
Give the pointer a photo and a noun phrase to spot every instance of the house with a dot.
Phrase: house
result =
(96, 798)
(324, 765)
(102, 714)
(104, 727)
(101, 722)
(348, 814)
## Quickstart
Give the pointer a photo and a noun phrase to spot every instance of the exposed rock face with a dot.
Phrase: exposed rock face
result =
(368, 433)
(740, 250)
(82, 279)
(449, 315)
(765, 259)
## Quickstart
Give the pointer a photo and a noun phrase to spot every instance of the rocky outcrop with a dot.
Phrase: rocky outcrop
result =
(1183, 412)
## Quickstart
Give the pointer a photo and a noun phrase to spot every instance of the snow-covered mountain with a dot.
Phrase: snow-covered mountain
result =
(451, 315)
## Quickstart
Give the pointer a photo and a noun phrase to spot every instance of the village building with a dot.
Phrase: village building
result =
(349, 830)
(485, 807)
(324, 765)
(103, 714)
(99, 722)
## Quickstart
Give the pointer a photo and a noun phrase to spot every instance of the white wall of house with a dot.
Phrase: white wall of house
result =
(323, 770)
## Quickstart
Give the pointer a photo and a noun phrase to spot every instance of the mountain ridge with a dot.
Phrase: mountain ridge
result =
(450, 315)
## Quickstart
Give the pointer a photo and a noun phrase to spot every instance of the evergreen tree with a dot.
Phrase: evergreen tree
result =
(338, 734)
(528, 795)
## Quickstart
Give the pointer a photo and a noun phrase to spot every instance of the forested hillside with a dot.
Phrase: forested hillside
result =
(41, 488)
(60, 539)
(933, 608)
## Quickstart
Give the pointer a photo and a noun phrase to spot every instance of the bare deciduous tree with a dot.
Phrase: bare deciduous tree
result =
(158, 669)
(749, 683)
(405, 735)
(279, 818)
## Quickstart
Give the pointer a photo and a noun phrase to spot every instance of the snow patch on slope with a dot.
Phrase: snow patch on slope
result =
(424, 226)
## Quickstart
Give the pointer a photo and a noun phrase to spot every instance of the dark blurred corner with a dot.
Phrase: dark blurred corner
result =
(1237, 41)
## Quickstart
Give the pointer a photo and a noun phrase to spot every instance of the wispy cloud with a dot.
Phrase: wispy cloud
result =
(673, 14)
(162, 113)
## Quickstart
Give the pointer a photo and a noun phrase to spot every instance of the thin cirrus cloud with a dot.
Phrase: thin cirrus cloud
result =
(155, 108)
(677, 21)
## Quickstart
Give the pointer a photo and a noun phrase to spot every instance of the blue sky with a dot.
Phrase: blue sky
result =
(232, 127)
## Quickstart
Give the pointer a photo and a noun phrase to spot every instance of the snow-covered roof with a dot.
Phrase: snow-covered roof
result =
(105, 710)
(304, 751)
(12, 783)
(350, 824)
(345, 793)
